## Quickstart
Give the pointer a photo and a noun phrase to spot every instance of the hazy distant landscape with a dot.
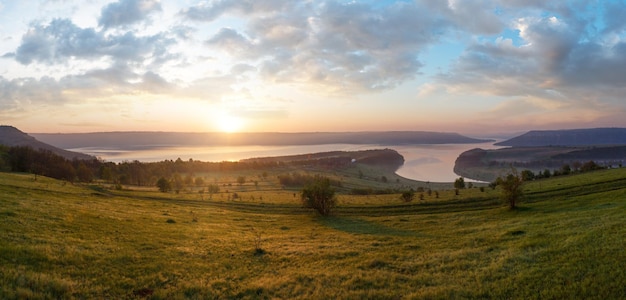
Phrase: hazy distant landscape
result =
(430, 155)
(559, 151)
(144, 140)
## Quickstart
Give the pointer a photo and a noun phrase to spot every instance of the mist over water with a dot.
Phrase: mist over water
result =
(434, 163)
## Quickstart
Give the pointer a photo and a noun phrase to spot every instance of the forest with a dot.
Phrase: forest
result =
(46, 163)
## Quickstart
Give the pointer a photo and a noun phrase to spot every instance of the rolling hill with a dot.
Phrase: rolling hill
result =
(573, 137)
(144, 140)
(11, 136)
(61, 241)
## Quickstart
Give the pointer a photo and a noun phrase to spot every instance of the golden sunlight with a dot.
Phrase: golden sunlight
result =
(228, 123)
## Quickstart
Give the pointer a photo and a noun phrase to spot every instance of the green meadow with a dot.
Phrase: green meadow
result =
(566, 240)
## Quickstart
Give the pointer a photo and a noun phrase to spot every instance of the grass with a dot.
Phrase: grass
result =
(63, 241)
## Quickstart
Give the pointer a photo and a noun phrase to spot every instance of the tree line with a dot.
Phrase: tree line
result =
(47, 163)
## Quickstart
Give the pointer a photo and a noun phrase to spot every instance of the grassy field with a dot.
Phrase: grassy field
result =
(61, 241)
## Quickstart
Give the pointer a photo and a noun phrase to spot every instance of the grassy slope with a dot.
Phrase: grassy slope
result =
(64, 241)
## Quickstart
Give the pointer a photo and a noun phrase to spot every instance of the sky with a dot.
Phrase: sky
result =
(475, 67)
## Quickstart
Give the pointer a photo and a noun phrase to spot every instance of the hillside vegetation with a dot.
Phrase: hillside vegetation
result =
(487, 165)
(12, 137)
(571, 137)
(64, 241)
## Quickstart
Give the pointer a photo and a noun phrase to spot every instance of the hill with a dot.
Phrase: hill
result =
(573, 137)
(124, 140)
(487, 165)
(62, 241)
(11, 136)
(385, 158)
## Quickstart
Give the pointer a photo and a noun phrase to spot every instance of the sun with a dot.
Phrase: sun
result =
(228, 123)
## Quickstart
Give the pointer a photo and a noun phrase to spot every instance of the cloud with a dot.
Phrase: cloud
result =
(16, 94)
(210, 11)
(556, 56)
(344, 47)
(230, 41)
(614, 13)
(240, 69)
(108, 83)
(61, 40)
(127, 12)
(563, 67)
(183, 32)
(477, 17)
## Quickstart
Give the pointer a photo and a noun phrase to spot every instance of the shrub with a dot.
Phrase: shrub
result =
(164, 185)
(319, 195)
(407, 196)
(459, 183)
(511, 188)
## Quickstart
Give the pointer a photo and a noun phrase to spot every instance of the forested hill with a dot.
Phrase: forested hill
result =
(573, 137)
(148, 139)
(12, 137)
(386, 158)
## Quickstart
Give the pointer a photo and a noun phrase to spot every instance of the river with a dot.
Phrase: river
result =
(434, 163)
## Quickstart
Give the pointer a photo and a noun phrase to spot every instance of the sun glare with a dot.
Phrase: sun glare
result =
(228, 123)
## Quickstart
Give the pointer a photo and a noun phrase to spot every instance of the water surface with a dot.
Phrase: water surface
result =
(434, 163)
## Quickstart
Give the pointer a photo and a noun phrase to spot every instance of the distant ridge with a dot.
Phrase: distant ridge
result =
(572, 137)
(138, 140)
(11, 136)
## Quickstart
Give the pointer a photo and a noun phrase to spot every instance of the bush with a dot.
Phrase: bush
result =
(407, 196)
(164, 185)
(319, 195)
(459, 183)
(511, 188)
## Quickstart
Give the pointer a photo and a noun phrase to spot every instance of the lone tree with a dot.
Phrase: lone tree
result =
(319, 195)
(164, 185)
(459, 183)
(511, 188)
(407, 196)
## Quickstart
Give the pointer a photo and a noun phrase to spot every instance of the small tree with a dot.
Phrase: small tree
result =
(188, 180)
(83, 173)
(319, 195)
(241, 180)
(528, 175)
(407, 196)
(178, 183)
(566, 169)
(511, 188)
(213, 188)
(164, 185)
(459, 183)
